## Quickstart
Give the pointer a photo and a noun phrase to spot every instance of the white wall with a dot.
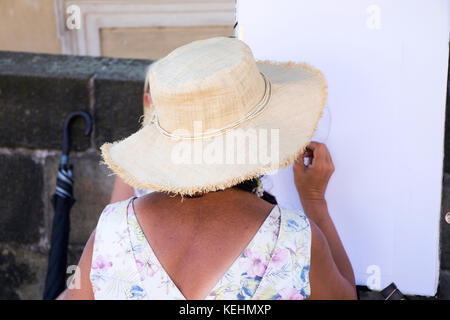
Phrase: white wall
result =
(386, 66)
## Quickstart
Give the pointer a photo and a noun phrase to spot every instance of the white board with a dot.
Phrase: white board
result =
(386, 66)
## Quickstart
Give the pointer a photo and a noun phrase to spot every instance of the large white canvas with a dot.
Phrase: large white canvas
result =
(386, 66)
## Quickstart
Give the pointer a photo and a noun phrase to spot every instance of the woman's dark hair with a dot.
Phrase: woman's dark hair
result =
(251, 185)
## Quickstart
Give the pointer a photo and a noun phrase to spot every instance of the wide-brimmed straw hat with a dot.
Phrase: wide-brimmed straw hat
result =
(217, 118)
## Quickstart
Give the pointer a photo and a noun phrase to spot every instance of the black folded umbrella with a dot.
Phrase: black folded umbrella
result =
(62, 201)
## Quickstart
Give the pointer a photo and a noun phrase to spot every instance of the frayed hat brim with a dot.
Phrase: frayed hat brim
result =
(299, 94)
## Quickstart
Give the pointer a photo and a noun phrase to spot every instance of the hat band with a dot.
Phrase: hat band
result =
(217, 132)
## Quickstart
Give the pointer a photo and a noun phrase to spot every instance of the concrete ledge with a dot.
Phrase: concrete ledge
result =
(37, 91)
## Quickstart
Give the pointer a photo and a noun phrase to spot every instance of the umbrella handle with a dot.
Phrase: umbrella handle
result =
(66, 141)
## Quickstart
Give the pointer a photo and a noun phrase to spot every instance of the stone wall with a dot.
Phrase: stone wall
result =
(36, 93)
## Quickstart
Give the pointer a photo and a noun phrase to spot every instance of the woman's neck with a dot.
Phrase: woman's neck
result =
(225, 203)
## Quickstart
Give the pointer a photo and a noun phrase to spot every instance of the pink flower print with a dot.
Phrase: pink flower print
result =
(140, 265)
(151, 269)
(258, 268)
(279, 257)
(255, 264)
(145, 268)
(101, 263)
(290, 294)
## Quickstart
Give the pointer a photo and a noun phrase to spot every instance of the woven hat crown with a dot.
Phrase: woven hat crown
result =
(215, 81)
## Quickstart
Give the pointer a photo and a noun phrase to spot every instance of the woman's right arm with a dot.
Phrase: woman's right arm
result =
(331, 274)
(326, 279)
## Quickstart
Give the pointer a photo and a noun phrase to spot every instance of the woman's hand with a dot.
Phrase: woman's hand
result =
(312, 180)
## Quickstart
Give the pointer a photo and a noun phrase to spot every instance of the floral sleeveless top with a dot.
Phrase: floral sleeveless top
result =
(274, 265)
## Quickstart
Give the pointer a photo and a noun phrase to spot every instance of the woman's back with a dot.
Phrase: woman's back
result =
(197, 238)
(197, 249)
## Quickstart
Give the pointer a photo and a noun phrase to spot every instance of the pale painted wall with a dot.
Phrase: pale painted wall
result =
(132, 29)
(28, 25)
(153, 43)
